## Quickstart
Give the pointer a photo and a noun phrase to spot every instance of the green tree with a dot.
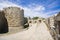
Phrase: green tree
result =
(34, 18)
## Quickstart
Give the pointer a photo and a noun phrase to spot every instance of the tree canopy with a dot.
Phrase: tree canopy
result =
(34, 18)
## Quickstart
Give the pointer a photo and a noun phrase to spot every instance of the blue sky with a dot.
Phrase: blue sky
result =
(41, 8)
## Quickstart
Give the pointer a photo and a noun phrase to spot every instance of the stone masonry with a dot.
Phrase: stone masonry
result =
(15, 16)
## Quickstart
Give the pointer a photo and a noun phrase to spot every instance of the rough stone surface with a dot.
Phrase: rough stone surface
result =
(3, 23)
(15, 16)
(54, 24)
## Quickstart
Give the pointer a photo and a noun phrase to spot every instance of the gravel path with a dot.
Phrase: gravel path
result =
(37, 31)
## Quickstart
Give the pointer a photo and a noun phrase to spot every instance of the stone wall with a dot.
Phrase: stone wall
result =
(57, 25)
(3, 23)
(52, 20)
(54, 24)
(15, 16)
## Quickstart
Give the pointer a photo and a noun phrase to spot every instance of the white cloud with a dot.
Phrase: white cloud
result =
(36, 7)
(6, 3)
(30, 10)
(34, 10)
(39, 8)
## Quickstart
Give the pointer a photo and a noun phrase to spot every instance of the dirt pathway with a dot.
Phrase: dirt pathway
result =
(35, 32)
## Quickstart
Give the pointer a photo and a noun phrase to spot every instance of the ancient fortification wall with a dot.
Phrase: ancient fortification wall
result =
(15, 16)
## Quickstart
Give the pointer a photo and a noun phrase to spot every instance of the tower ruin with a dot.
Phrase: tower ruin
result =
(15, 16)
